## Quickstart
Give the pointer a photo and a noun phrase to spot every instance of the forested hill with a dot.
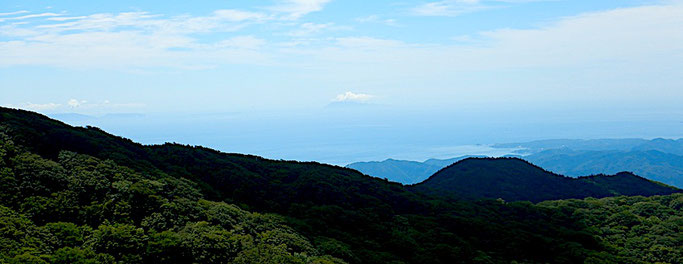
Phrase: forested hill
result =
(80, 195)
(514, 179)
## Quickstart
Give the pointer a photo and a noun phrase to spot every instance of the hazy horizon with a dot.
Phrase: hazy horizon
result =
(342, 137)
(338, 82)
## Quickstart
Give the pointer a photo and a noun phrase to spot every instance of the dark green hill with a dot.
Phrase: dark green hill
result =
(79, 209)
(167, 203)
(514, 179)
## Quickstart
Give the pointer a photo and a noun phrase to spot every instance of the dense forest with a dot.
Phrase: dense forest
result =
(636, 229)
(79, 209)
(80, 195)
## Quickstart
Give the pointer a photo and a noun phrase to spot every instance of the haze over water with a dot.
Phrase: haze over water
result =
(340, 136)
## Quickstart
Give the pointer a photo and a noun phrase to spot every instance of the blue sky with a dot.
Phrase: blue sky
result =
(368, 61)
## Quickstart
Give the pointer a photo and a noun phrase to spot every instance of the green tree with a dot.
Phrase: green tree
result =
(124, 242)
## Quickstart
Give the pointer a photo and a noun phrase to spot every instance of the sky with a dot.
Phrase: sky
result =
(337, 81)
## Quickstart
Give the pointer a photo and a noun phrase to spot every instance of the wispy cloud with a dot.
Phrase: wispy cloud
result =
(448, 8)
(633, 43)
(29, 16)
(238, 15)
(307, 29)
(242, 42)
(218, 21)
(376, 19)
(75, 103)
(459, 7)
(14, 13)
(368, 43)
(352, 97)
(66, 18)
(131, 39)
(141, 39)
(295, 9)
(40, 107)
(78, 105)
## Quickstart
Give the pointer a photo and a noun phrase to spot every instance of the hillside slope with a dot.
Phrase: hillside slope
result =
(79, 209)
(514, 179)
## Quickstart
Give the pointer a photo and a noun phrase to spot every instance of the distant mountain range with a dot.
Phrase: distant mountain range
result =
(403, 171)
(658, 159)
(652, 164)
(673, 146)
(576, 144)
(514, 179)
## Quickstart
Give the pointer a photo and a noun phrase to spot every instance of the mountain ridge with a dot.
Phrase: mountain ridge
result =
(512, 179)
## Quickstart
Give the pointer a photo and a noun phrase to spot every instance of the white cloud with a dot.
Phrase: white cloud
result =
(79, 106)
(219, 21)
(306, 29)
(74, 103)
(131, 39)
(625, 53)
(66, 18)
(376, 19)
(29, 16)
(459, 7)
(627, 34)
(238, 15)
(368, 43)
(627, 37)
(448, 8)
(623, 36)
(352, 97)
(242, 42)
(295, 9)
(13, 13)
(40, 107)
